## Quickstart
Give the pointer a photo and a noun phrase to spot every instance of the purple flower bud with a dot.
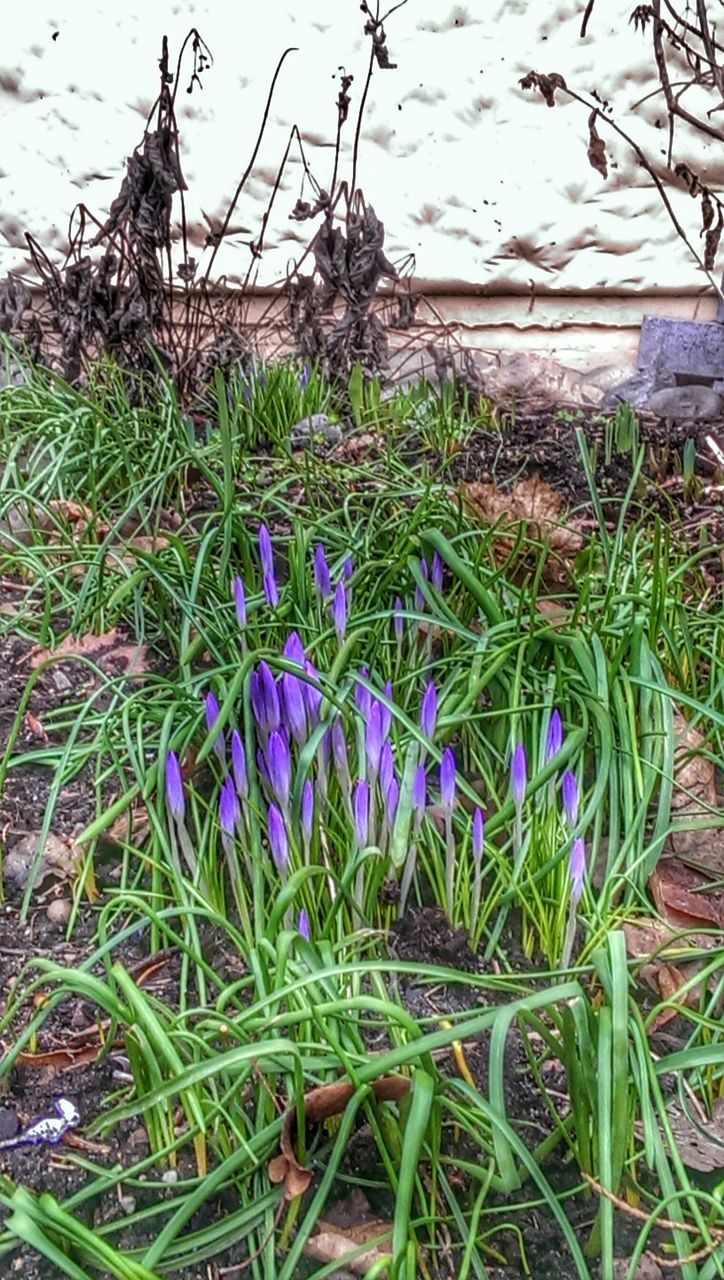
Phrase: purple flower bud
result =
(437, 571)
(387, 768)
(294, 706)
(478, 835)
(266, 552)
(279, 764)
(270, 717)
(312, 694)
(569, 791)
(398, 620)
(271, 590)
(303, 925)
(322, 580)
(362, 812)
(554, 739)
(339, 611)
(240, 601)
(294, 649)
(212, 717)
(392, 799)
(262, 766)
(174, 787)
(373, 740)
(447, 779)
(428, 711)
(278, 839)
(307, 811)
(348, 568)
(304, 377)
(419, 794)
(339, 752)
(229, 810)
(519, 775)
(362, 695)
(238, 765)
(578, 869)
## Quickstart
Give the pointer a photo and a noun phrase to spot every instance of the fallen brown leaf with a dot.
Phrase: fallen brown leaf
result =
(695, 798)
(334, 1244)
(531, 503)
(682, 898)
(320, 1104)
(107, 651)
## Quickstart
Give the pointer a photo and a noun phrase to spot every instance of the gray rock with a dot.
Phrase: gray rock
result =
(635, 391)
(686, 404)
(317, 426)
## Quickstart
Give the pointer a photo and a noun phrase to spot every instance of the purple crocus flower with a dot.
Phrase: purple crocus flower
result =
(569, 791)
(238, 765)
(519, 776)
(304, 377)
(361, 812)
(478, 835)
(578, 869)
(175, 787)
(312, 694)
(229, 810)
(278, 839)
(348, 568)
(294, 649)
(307, 811)
(212, 718)
(447, 779)
(279, 765)
(437, 571)
(322, 579)
(339, 752)
(362, 695)
(266, 552)
(428, 711)
(271, 590)
(303, 925)
(387, 767)
(554, 739)
(270, 717)
(240, 601)
(392, 799)
(339, 611)
(373, 739)
(398, 620)
(295, 711)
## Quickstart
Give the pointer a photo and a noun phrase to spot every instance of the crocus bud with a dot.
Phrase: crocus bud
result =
(398, 620)
(448, 773)
(578, 869)
(279, 764)
(271, 711)
(428, 711)
(174, 787)
(304, 377)
(339, 611)
(362, 812)
(339, 752)
(362, 695)
(293, 648)
(519, 775)
(212, 717)
(271, 590)
(322, 579)
(387, 767)
(266, 552)
(554, 738)
(278, 839)
(436, 572)
(303, 925)
(478, 835)
(569, 791)
(293, 706)
(392, 799)
(373, 740)
(240, 602)
(348, 568)
(238, 765)
(307, 811)
(312, 694)
(229, 810)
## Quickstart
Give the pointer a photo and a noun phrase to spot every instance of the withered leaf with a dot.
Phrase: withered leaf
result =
(320, 1104)
(682, 898)
(547, 84)
(596, 147)
(711, 241)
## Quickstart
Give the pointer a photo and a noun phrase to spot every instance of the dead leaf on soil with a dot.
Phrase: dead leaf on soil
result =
(695, 798)
(321, 1104)
(682, 897)
(35, 727)
(531, 503)
(334, 1244)
(57, 859)
(109, 651)
(700, 1142)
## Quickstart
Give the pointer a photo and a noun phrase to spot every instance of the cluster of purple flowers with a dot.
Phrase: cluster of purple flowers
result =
(569, 796)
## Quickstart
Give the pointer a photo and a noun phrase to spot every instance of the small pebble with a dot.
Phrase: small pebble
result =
(170, 1176)
(59, 911)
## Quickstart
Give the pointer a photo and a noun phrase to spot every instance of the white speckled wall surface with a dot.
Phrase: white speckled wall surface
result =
(490, 189)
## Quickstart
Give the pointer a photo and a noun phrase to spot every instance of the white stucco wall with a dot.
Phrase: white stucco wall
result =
(489, 188)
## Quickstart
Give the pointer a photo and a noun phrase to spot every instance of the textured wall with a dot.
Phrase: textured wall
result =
(488, 187)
